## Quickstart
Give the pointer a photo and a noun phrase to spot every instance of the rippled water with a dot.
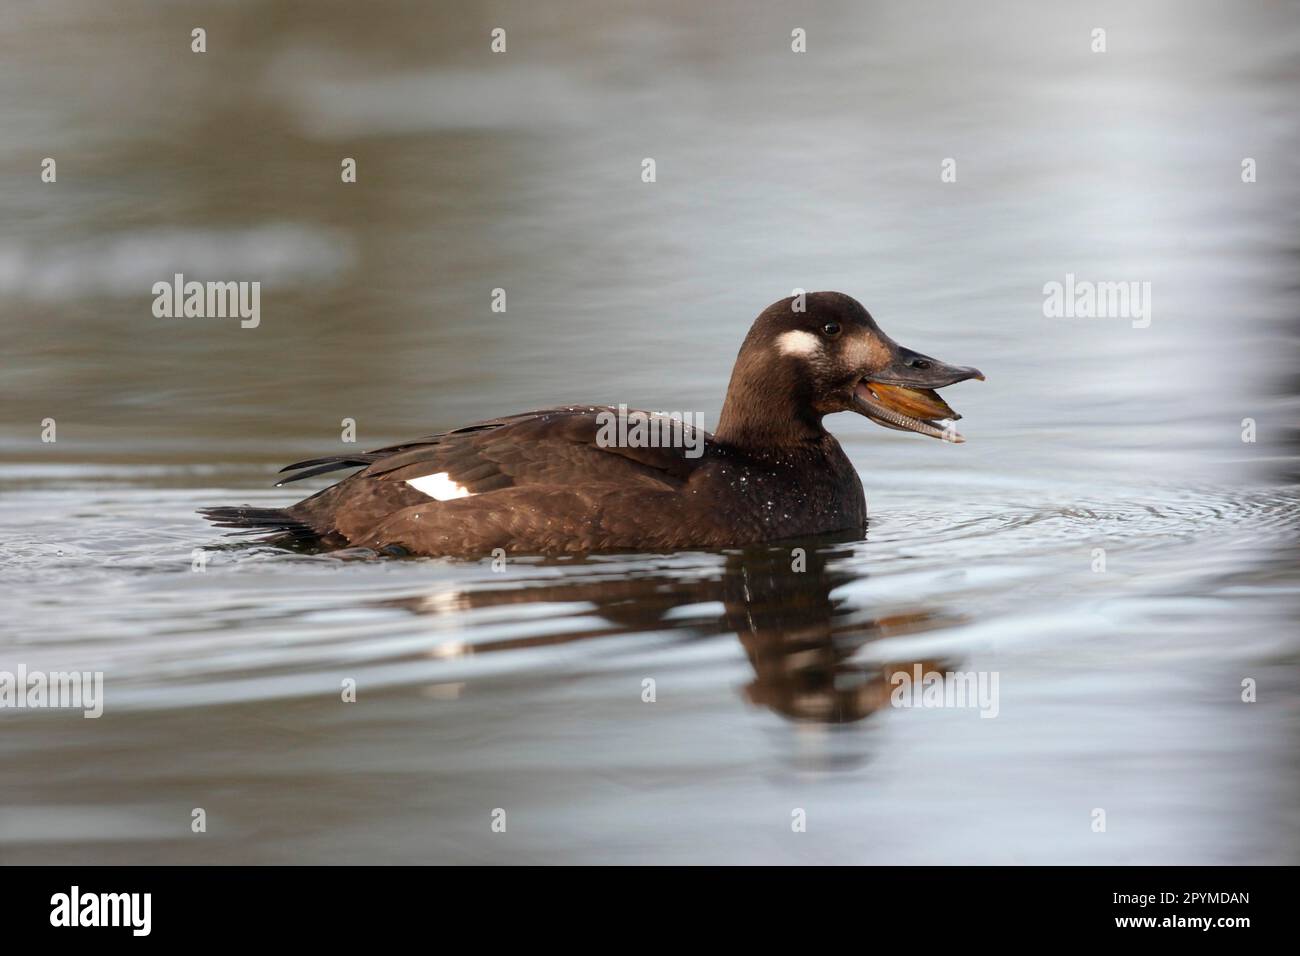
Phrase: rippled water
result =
(521, 688)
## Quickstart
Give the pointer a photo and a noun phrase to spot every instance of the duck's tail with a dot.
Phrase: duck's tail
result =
(260, 520)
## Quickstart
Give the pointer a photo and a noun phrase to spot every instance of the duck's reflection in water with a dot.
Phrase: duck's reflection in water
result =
(802, 643)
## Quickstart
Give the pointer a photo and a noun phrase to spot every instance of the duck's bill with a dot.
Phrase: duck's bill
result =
(904, 396)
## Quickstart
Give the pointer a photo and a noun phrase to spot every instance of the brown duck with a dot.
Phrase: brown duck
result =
(584, 478)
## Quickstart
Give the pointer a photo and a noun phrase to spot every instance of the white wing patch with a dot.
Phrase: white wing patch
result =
(439, 487)
(798, 342)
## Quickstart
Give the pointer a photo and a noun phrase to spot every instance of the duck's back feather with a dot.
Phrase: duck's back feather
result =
(526, 482)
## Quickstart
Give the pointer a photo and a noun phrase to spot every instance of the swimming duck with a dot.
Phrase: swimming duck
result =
(561, 480)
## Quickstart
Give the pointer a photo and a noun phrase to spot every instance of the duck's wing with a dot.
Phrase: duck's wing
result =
(537, 481)
(565, 446)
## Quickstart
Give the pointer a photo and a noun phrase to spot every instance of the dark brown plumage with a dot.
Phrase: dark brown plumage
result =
(549, 481)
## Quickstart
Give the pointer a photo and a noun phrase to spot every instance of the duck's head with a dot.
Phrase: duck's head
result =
(810, 357)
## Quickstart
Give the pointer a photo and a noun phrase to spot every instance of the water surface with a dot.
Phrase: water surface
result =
(522, 688)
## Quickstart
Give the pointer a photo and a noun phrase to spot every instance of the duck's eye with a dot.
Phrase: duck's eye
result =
(832, 329)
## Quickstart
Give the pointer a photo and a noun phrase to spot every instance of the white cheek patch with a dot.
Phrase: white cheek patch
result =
(857, 353)
(439, 487)
(798, 342)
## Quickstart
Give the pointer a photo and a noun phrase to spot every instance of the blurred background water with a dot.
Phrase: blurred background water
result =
(522, 689)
